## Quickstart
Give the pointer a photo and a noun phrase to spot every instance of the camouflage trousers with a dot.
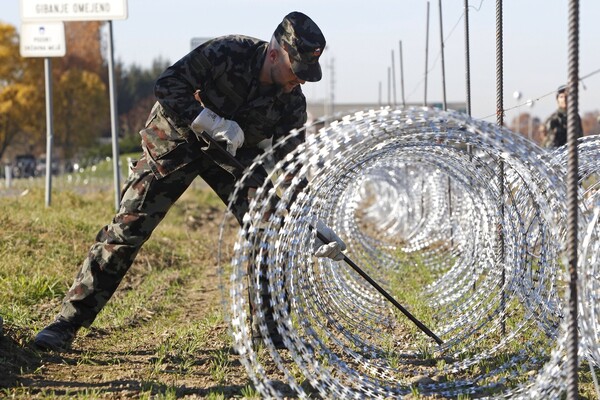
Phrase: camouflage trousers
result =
(145, 200)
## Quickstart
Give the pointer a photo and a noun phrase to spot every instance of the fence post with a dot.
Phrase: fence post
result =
(8, 175)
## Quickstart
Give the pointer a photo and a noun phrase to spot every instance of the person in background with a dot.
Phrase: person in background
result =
(556, 124)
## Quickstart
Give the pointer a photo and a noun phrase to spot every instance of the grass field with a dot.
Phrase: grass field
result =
(163, 334)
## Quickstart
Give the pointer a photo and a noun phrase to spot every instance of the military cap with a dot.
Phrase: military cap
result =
(304, 42)
(561, 89)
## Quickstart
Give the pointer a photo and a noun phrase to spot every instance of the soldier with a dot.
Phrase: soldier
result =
(239, 90)
(556, 124)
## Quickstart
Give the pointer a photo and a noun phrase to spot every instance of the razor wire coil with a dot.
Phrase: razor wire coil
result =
(380, 179)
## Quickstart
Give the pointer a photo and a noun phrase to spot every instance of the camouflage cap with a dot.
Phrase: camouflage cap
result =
(304, 42)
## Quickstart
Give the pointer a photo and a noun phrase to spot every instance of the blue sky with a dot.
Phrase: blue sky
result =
(361, 35)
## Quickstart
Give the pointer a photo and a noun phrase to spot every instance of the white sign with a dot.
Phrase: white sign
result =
(43, 39)
(73, 10)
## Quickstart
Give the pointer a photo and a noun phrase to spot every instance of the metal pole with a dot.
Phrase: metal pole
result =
(572, 344)
(467, 60)
(8, 175)
(468, 90)
(385, 294)
(332, 89)
(394, 78)
(426, 55)
(445, 107)
(389, 102)
(500, 121)
(49, 129)
(402, 76)
(445, 104)
(114, 118)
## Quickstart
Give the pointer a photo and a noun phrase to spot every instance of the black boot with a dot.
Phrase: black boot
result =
(57, 336)
(274, 335)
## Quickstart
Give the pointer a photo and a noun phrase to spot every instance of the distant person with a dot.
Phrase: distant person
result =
(239, 90)
(556, 124)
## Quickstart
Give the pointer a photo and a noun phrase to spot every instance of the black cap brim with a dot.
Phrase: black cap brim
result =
(307, 72)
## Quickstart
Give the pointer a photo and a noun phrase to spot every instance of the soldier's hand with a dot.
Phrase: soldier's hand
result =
(220, 129)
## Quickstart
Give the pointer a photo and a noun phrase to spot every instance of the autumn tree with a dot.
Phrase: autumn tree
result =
(21, 96)
(80, 92)
(79, 113)
(84, 48)
(82, 113)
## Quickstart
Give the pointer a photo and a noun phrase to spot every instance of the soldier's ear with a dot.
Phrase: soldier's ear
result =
(272, 55)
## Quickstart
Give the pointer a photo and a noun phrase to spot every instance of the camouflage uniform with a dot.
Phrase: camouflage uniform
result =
(225, 72)
(556, 129)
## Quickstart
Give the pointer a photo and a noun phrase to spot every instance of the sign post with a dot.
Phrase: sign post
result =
(81, 10)
(45, 39)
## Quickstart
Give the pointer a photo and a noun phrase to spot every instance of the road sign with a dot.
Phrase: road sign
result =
(43, 39)
(73, 10)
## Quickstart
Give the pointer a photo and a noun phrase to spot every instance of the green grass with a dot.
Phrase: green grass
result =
(41, 250)
(406, 288)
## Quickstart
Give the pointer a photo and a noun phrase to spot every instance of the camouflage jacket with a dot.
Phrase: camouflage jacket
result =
(556, 129)
(225, 71)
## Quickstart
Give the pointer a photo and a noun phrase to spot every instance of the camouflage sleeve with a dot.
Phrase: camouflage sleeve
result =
(176, 86)
(551, 126)
(579, 127)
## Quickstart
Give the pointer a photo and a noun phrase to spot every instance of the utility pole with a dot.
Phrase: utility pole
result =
(401, 74)
(332, 86)
(389, 102)
(445, 104)
(426, 55)
(394, 77)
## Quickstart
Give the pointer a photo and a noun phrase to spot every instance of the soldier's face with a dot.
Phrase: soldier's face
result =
(562, 100)
(282, 74)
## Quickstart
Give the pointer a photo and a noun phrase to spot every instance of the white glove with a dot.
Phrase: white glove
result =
(220, 129)
(334, 246)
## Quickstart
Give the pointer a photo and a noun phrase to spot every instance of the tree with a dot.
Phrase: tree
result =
(84, 48)
(80, 87)
(136, 94)
(11, 61)
(21, 101)
(14, 114)
(80, 112)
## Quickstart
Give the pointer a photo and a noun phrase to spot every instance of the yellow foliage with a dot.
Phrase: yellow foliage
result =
(5, 106)
(80, 107)
(80, 97)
